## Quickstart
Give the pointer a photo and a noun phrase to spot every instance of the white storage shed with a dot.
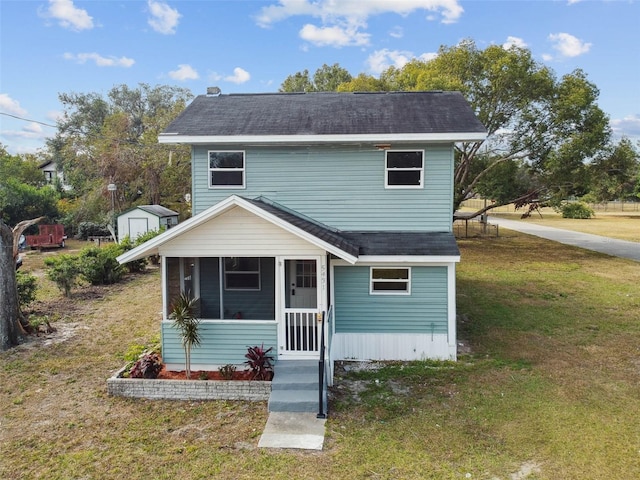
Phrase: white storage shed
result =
(143, 218)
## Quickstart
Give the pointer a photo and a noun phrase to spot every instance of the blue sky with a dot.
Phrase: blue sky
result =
(49, 47)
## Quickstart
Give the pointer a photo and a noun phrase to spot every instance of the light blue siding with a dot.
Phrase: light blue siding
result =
(341, 186)
(220, 344)
(424, 311)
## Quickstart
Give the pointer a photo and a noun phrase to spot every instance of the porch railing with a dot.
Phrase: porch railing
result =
(327, 318)
(302, 332)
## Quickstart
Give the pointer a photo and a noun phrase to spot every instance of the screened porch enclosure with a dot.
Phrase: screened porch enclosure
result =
(229, 288)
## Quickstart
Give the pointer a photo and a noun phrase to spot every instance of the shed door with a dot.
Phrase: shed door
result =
(137, 227)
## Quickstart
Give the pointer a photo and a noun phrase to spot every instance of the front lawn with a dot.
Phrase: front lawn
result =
(549, 388)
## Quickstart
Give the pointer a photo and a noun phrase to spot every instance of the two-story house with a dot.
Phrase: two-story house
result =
(321, 202)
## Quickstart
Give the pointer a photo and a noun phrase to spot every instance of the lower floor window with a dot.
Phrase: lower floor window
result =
(242, 273)
(390, 281)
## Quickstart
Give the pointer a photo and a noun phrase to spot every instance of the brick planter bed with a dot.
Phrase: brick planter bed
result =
(188, 389)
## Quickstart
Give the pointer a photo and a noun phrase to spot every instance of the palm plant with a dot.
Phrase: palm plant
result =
(183, 314)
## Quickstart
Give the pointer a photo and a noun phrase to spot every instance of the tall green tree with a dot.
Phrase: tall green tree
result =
(113, 140)
(22, 168)
(23, 190)
(546, 128)
(616, 173)
(325, 79)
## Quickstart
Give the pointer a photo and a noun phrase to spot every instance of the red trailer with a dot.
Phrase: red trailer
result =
(48, 237)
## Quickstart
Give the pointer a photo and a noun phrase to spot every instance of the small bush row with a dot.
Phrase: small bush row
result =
(95, 265)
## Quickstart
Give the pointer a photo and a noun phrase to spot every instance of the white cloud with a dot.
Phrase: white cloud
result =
(380, 60)
(567, 45)
(164, 19)
(33, 128)
(240, 75)
(514, 42)
(334, 36)
(68, 15)
(184, 72)
(328, 10)
(343, 21)
(396, 32)
(99, 60)
(628, 126)
(9, 105)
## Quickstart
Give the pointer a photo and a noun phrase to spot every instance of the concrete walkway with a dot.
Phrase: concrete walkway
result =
(300, 430)
(597, 243)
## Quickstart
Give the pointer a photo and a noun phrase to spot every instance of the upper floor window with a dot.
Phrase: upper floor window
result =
(226, 169)
(404, 169)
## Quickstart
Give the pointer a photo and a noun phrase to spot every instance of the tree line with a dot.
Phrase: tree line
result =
(548, 141)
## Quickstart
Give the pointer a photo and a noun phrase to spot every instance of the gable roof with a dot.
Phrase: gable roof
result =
(349, 246)
(319, 237)
(326, 117)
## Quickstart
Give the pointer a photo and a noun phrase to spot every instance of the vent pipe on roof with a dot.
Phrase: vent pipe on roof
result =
(213, 91)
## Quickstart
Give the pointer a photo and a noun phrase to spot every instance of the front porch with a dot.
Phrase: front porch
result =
(246, 301)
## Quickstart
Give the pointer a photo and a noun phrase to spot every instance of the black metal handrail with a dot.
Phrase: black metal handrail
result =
(322, 413)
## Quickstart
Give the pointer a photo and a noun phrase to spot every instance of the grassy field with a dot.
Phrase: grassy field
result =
(615, 222)
(549, 388)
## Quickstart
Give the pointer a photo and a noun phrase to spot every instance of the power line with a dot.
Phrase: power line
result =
(28, 120)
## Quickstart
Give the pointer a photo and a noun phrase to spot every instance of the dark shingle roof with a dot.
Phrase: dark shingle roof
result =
(318, 230)
(367, 243)
(326, 114)
(404, 243)
(158, 210)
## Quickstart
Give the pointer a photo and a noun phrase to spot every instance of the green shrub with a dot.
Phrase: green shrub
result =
(227, 371)
(27, 287)
(90, 229)
(99, 266)
(147, 236)
(63, 270)
(136, 265)
(576, 210)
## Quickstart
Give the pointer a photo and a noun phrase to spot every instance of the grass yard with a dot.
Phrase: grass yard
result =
(550, 388)
(615, 222)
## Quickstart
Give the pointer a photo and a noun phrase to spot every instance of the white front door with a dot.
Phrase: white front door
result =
(299, 332)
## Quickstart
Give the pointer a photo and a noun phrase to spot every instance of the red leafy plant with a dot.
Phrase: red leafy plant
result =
(147, 366)
(259, 362)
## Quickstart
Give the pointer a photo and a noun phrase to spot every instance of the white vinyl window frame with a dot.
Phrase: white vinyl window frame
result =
(252, 276)
(390, 280)
(234, 171)
(396, 171)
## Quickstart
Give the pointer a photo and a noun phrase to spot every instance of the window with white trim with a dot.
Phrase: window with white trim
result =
(226, 169)
(242, 273)
(390, 281)
(404, 169)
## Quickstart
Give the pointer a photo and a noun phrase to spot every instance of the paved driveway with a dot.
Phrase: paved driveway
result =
(597, 243)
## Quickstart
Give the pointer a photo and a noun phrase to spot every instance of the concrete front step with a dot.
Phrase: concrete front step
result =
(297, 381)
(293, 401)
(294, 387)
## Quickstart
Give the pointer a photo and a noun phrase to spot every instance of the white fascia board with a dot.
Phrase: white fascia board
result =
(431, 260)
(317, 139)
